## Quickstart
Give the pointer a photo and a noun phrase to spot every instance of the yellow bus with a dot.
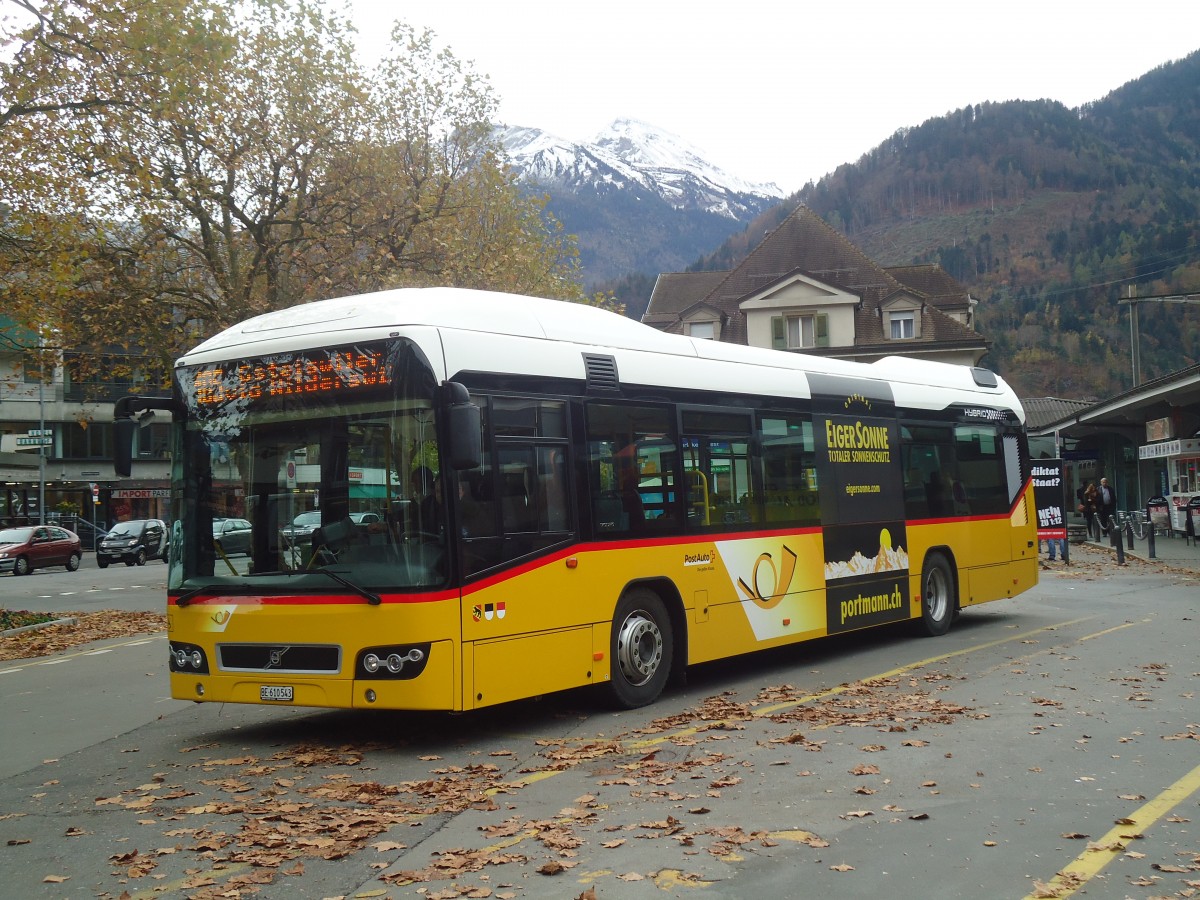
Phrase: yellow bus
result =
(446, 499)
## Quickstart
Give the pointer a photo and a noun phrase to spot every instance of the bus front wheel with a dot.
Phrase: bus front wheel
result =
(641, 648)
(937, 596)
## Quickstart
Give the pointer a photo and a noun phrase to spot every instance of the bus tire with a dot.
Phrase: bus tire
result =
(938, 601)
(641, 648)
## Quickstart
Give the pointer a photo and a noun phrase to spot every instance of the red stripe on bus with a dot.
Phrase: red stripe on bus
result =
(316, 599)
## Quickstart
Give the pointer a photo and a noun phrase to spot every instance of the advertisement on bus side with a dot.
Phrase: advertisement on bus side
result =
(862, 502)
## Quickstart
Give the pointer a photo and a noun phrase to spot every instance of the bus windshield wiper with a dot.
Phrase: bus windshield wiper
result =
(371, 597)
(187, 596)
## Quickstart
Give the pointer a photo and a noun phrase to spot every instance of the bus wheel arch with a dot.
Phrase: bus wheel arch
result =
(939, 592)
(646, 644)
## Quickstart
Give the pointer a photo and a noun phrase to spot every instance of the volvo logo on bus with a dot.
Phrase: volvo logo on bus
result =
(276, 659)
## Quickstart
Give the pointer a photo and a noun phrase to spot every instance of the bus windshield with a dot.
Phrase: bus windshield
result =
(309, 471)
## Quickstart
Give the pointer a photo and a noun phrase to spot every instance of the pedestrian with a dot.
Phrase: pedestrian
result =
(1107, 504)
(1089, 499)
(1053, 545)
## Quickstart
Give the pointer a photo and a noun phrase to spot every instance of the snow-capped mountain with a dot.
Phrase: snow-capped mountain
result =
(633, 155)
(639, 199)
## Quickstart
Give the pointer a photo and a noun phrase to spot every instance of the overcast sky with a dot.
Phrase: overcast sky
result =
(786, 92)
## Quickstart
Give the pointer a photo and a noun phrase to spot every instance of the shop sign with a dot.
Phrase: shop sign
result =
(1168, 448)
(1159, 430)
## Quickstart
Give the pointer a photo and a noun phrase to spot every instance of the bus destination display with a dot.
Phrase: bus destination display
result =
(282, 375)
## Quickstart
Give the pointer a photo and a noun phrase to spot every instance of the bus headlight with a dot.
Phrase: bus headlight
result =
(187, 658)
(402, 661)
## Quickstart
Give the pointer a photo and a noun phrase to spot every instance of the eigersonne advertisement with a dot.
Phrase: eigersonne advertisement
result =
(862, 504)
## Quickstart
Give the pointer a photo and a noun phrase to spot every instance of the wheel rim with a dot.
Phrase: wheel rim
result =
(639, 648)
(22, 566)
(937, 595)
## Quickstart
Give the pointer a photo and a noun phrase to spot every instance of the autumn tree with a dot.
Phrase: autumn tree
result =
(172, 167)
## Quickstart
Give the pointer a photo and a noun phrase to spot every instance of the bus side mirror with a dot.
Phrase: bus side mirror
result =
(466, 444)
(124, 426)
(466, 440)
(123, 429)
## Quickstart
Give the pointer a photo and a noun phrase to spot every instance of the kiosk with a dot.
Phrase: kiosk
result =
(1182, 460)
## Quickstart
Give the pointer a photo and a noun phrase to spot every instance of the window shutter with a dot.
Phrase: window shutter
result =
(778, 333)
(822, 330)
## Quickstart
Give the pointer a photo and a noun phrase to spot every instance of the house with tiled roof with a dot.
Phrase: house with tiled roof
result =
(807, 288)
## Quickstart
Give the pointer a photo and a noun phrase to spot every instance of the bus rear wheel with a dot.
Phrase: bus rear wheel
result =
(641, 648)
(938, 601)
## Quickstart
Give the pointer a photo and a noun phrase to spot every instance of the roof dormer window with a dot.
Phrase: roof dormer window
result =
(704, 330)
(800, 332)
(903, 324)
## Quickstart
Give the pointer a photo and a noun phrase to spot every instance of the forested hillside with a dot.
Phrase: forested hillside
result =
(1049, 215)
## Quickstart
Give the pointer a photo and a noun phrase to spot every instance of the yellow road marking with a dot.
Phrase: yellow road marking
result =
(1089, 863)
(1111, 630)
(179, 884)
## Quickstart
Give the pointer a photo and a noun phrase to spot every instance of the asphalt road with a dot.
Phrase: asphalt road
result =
(1046, 744)
(90, 589)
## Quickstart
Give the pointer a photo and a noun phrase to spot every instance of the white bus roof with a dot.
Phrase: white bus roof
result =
(485, 331)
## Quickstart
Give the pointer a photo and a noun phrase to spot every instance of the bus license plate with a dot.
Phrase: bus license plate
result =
(274, 692)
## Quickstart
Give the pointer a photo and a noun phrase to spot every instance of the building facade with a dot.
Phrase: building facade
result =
(56, 444)
(807, 288)
(1145, 441)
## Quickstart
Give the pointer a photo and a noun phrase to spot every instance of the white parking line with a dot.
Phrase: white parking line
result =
(10, 671)
(98, 652)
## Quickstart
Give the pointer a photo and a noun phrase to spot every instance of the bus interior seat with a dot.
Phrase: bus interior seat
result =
(610, 513)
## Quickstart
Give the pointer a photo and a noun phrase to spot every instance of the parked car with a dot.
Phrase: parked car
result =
(37, 546)
(133, 543)
(232, 535)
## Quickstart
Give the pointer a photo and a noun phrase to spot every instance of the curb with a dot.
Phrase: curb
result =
(39, 626)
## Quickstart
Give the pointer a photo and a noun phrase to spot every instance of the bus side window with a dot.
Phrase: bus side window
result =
(979, 453)
(930, 472)
(789, 494)
(523, 504)
(632, 469)
(717, 471)
(553, 495)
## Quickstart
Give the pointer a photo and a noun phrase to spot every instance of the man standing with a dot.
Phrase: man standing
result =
(1108, 504)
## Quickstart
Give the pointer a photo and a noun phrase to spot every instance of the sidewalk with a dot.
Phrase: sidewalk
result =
(1174, 550)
